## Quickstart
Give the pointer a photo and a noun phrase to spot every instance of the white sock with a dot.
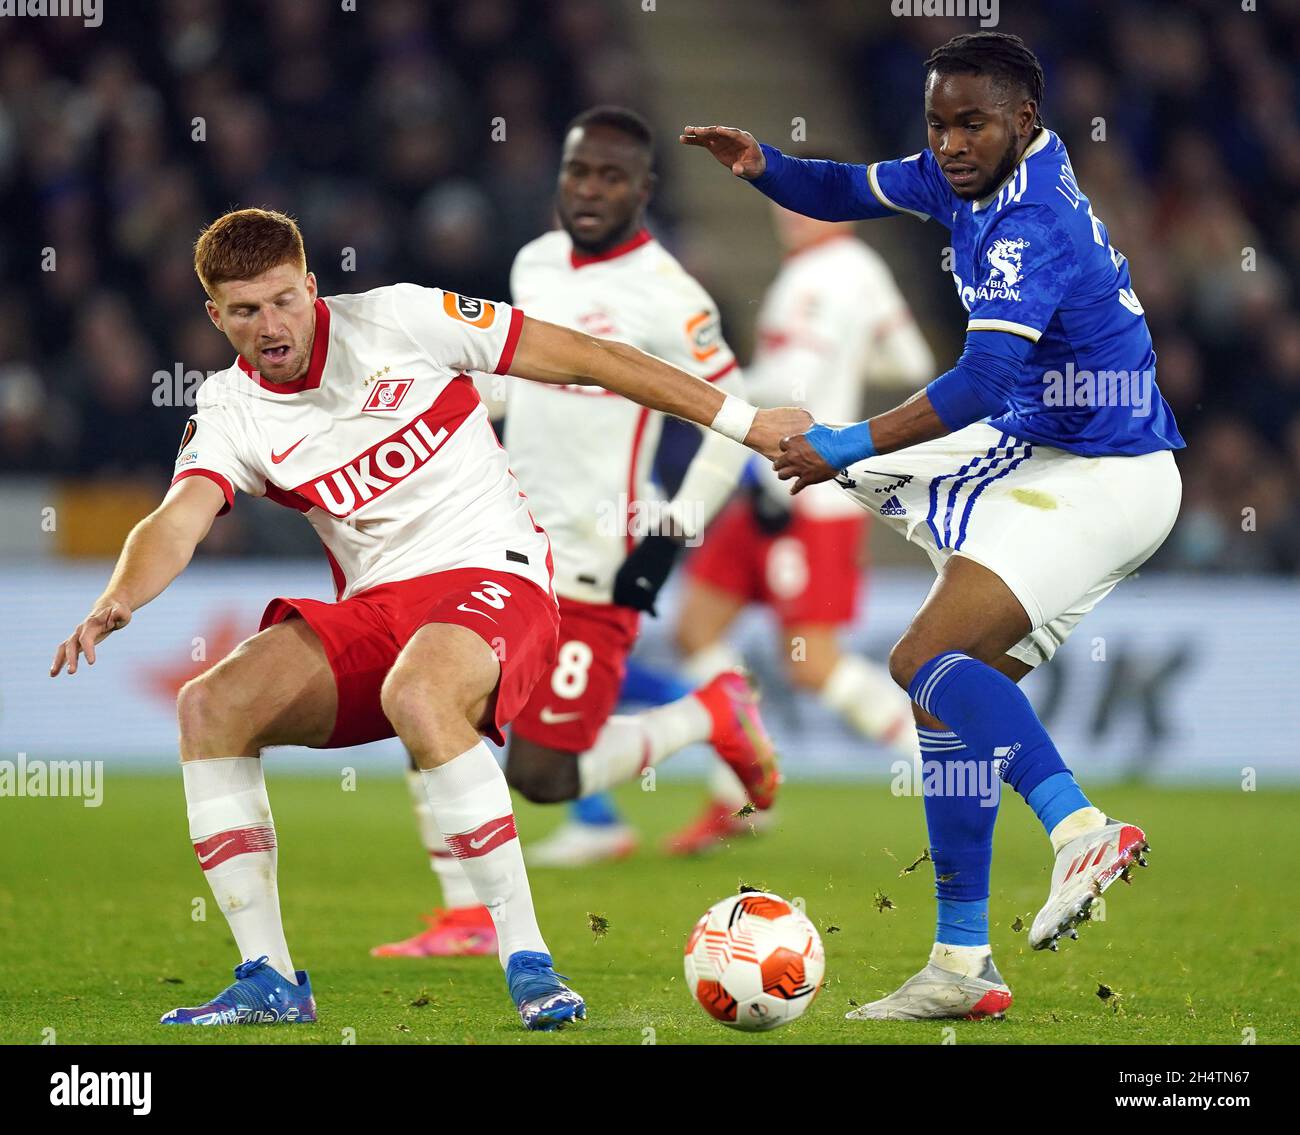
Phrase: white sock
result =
(457, 891)
(705, 665)
(1075, 824)
(470, 802)
(865, 696)
(234, 837)
(630, 743)
(725, 787)
(969, 961)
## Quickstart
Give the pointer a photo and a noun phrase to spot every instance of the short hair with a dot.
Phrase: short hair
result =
(618, 118)
(1003, 56)
(245, 243)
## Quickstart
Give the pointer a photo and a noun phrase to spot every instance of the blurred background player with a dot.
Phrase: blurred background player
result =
(833, 325)
(585, 463)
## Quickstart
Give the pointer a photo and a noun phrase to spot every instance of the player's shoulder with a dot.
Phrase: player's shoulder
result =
(373, 304)
(223, 389)
(673, 284)
(546, 251)
(1042, 192)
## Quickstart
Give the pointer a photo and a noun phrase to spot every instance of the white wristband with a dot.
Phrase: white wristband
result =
(734, 419)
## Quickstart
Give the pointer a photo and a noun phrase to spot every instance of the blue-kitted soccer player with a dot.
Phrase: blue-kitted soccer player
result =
(1036, 473)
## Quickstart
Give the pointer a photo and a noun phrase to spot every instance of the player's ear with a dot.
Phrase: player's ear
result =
(214, 314)
(311, 286)
(1028, 117)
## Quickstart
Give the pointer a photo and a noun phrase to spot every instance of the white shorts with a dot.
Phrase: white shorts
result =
(1058, 529)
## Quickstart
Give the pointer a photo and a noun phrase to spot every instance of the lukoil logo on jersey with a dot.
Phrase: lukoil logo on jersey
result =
(389, 462)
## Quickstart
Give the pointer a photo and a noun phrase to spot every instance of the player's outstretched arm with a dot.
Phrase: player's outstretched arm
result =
(738, 150)
(549, 353)
(154, 554)
(829, 191)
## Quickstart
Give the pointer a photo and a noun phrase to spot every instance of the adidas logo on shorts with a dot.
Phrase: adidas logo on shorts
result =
(893, 507)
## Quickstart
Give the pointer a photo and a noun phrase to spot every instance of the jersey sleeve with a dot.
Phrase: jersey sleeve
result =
(459, 331)
(210, 447)
(1031, 265)
(689, 335)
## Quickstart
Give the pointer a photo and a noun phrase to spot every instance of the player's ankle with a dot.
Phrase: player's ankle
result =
(969, 961)
(1076, 824)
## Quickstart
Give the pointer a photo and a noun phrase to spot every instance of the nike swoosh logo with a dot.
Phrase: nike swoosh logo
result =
(478, 843)
(210, 854)
(276, 458)
(475, 611)
(550, 718)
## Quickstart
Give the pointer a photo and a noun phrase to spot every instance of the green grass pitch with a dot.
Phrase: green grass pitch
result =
(95, 917)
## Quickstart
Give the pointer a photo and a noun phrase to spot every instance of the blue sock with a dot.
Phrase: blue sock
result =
(651, 687)
(960, 820)
(597, 810)
(992, 716)
(1055, 798)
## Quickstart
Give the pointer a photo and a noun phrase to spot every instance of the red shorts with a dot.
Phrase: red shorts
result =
(808, 574)
(575, 698)
(363, 636)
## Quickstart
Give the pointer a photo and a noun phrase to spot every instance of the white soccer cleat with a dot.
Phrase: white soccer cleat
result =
(937, 994)
(1085, 867)
(578, 845)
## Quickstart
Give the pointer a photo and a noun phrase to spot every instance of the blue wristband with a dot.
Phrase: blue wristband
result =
(842, 448)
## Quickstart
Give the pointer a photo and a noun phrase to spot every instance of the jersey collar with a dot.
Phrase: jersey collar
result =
(320, 346)
(1037, 144)
(581, 259)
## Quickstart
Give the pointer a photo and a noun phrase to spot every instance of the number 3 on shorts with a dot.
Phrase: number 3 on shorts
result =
(572, 663)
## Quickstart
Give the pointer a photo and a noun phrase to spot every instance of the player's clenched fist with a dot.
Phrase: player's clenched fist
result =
(738, 150)
(770, 426)
(97, 626)
(801, 463)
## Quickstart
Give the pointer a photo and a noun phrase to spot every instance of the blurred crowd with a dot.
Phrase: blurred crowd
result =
(412, 140)
(381, 130)
(1183, 125)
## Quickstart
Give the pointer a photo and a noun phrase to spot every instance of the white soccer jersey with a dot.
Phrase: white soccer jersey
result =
(384, 444)
(832, 323)
(585, 455)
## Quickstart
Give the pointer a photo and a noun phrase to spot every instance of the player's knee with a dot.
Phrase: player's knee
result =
(416, 707)
(906, 658)
(203, 712)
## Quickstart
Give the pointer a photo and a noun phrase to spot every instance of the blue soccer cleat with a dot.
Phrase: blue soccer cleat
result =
(543, 1000)
(259, 996)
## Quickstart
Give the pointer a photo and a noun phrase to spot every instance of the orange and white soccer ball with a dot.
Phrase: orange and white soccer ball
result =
(754, 961)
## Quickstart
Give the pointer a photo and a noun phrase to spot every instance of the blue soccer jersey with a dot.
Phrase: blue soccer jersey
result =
(1044, 290)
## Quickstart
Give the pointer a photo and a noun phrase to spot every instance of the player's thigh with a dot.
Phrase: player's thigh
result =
(811, 651)
(722, 577)
(706, 612)
(445, 673)
(969, 609)
(275, 688)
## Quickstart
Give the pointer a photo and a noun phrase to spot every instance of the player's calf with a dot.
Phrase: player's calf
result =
(542, 775)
